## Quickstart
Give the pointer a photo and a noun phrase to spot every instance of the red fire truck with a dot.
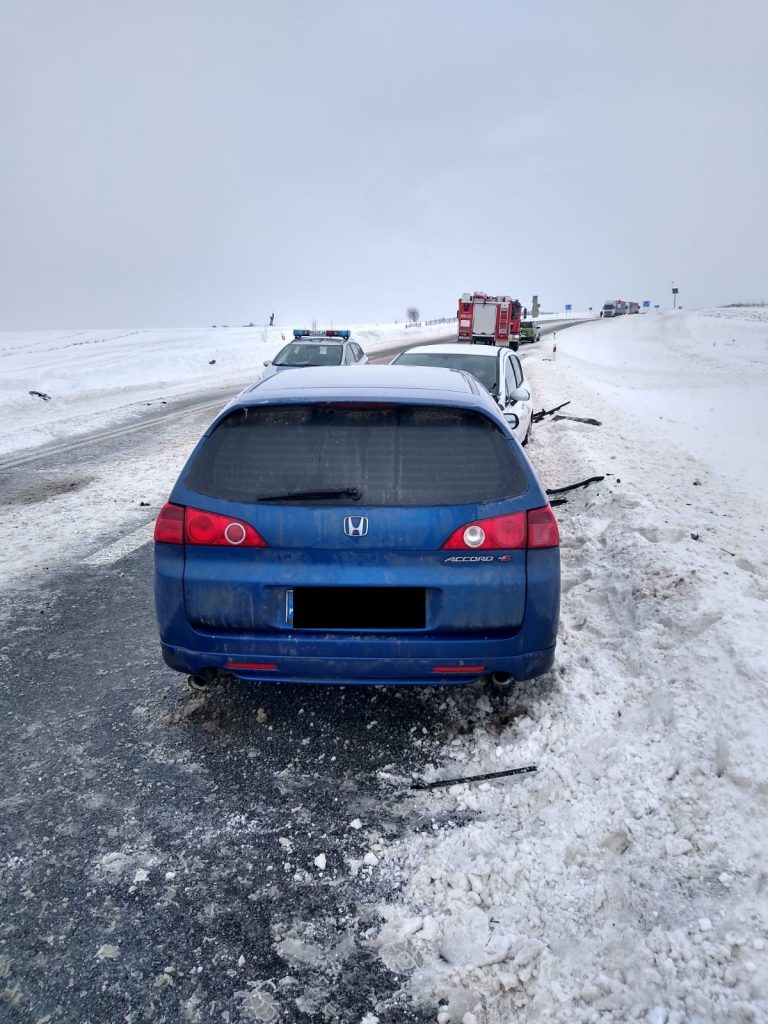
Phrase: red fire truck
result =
(489, 319)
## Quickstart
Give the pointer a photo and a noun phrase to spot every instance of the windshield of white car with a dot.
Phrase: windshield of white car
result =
(483, 367)
(309, 355)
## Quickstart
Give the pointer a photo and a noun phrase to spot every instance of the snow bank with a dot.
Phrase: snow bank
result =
(95, 378)
(625, 881)
(697, 382)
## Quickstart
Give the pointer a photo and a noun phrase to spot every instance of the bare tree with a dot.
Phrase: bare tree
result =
(414, 314)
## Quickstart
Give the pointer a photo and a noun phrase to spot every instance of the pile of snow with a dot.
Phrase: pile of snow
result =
(626, 880)
(93, 378)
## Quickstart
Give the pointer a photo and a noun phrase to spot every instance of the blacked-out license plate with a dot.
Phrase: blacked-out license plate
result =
(357, 607)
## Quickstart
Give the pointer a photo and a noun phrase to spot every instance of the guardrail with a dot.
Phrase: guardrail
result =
(431, 323)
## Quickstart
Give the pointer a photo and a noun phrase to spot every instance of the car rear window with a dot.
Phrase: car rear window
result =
(483, 367)
(393, 455)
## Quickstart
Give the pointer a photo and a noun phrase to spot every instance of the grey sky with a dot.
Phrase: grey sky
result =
(189, 162)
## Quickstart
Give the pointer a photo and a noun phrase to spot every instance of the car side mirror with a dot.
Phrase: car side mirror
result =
(267, 362)
(519, 395)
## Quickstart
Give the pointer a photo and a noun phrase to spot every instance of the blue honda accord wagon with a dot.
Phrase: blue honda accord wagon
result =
(360, 524)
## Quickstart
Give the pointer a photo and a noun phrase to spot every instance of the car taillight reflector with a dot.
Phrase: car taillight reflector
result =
(169, 525)
(253, 666)
(219, 531)
(462, 670)
(519, 530)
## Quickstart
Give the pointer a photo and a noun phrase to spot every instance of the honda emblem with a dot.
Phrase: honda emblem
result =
(356, 526)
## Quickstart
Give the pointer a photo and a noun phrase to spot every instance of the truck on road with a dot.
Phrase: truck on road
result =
(489, 319)
(615, 307)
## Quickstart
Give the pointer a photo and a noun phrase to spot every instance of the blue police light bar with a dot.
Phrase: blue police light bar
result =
(321, 334)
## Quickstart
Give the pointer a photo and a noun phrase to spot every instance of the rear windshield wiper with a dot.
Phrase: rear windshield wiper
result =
(345, 492)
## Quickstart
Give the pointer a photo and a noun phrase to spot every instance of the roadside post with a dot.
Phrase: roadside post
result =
(554, 344)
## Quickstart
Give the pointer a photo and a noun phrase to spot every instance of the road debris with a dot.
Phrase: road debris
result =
(572, 487)
(475, 778)
(579, 419)
(538, 416)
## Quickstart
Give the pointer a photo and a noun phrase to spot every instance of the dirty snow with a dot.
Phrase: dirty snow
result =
(626, 880)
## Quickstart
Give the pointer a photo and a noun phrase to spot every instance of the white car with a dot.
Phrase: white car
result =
(498, 370)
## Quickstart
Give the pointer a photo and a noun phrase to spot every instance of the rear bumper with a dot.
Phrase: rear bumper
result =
(367, 657)
(452, 662)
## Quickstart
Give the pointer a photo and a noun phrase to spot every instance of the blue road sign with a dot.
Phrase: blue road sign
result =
(646, 303)
(568, 307)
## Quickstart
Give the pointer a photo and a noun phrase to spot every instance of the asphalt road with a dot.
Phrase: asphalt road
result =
(158, 846)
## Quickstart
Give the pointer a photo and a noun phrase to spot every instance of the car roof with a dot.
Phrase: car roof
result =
(433, 385)
(457, 349)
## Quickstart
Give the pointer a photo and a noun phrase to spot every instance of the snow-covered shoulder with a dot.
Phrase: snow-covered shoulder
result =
(625, 880)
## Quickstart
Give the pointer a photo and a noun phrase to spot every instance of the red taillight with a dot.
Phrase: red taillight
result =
(542, 528)
(519, 530)
(489, 534)
(220, 531)
(169, 525)
(179, 525)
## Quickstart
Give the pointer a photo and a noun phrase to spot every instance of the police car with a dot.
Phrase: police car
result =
(316, 348)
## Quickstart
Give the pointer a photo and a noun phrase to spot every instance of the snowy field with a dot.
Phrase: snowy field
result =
(626, 880)
(94, 378)
(100, 380)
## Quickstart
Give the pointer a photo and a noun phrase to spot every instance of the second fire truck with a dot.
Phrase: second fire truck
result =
(489, 319)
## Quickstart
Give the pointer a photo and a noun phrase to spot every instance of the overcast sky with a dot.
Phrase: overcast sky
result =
(191, 162)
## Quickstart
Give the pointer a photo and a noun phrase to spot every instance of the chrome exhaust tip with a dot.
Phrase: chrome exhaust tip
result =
(501, 680)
